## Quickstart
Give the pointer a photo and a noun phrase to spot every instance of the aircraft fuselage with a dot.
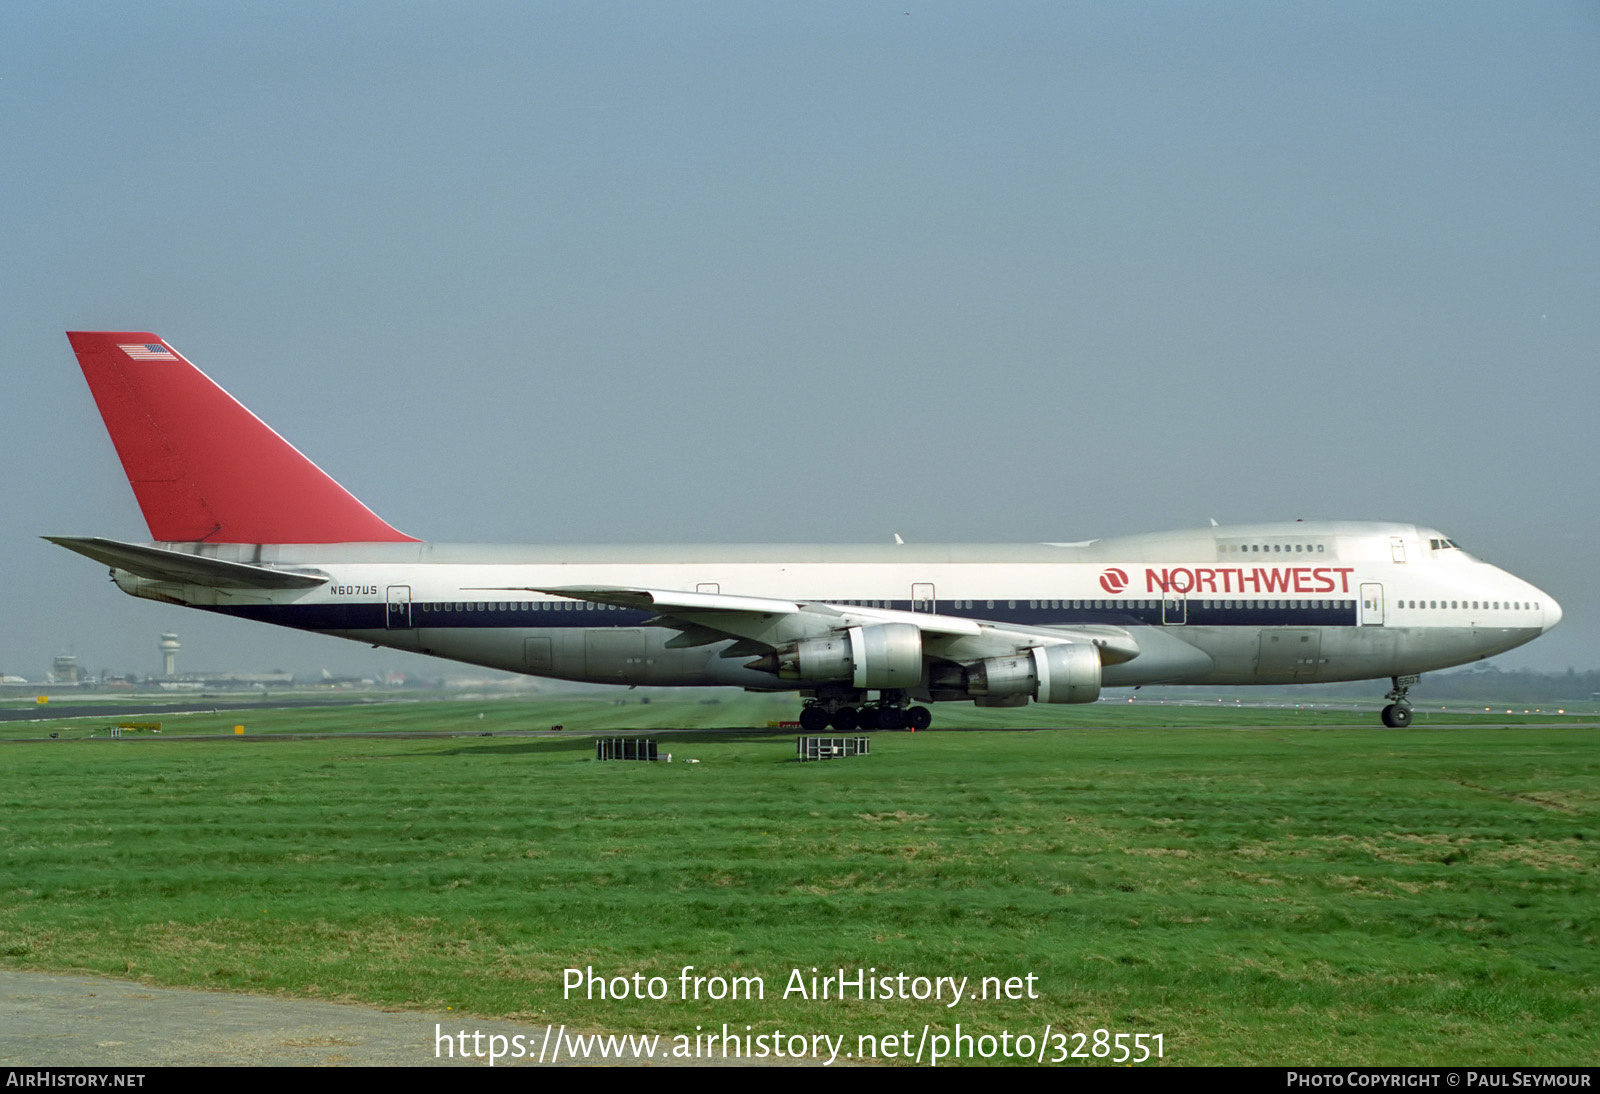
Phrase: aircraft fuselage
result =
(1277, 603)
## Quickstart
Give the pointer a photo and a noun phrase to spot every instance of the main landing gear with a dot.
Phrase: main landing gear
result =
(1397, 715)
(887, 717)
(846, 715)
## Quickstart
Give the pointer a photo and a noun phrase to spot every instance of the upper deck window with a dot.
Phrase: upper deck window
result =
(1274, 548)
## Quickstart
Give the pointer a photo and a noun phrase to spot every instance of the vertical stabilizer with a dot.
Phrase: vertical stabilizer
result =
(201, 465)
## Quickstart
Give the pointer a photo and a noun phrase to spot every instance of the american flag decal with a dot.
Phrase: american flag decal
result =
(147, 351)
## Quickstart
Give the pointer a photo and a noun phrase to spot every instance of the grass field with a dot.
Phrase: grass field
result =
(713, 708)
(1271, 894)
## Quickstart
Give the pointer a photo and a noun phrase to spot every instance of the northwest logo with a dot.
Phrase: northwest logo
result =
(1114, 580)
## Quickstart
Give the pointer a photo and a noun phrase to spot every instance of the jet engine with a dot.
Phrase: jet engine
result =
(885, 655)
(1050, 674)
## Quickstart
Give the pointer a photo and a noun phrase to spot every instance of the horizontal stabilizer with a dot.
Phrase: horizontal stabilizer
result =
(158, 564)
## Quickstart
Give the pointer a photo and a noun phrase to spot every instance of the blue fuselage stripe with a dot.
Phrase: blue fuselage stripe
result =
(585, 616)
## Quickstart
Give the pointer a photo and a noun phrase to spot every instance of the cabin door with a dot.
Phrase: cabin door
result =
(1372, 605)
(397, 608)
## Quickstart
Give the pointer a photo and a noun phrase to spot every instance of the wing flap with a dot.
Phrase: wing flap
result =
(662, 600)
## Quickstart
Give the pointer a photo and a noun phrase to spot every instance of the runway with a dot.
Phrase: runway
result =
(63, 1020)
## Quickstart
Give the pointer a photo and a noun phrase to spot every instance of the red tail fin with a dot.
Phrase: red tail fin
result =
(202, 466)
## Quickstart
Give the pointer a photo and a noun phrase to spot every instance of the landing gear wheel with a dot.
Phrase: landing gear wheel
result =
(845, 719)
(1396, 716)
(813, 719)
(891, 718)
(918, 718)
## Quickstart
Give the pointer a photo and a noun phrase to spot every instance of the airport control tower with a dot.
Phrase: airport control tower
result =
(169, 654)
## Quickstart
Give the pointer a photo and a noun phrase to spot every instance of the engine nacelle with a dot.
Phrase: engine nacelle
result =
(1050, 674)
(885, 655)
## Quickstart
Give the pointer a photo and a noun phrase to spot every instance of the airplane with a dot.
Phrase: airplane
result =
(244, 525)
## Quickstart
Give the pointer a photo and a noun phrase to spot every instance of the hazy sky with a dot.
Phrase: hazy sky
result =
(745, 272)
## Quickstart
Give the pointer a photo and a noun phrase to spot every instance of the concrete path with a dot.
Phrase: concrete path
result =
(49, 1019)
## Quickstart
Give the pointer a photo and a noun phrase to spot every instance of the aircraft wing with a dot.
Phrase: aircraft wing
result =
(669, 600)
(765, 623)
(159, 564)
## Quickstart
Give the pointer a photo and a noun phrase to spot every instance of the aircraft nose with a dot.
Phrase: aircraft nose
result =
(1552, 611)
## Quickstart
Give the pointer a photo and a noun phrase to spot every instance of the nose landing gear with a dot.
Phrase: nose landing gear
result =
(1397, 715)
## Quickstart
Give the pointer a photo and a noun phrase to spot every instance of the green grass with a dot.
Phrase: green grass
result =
(722, 709)
(1274, 895)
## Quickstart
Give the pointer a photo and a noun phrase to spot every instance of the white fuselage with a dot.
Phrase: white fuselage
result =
(1262, 604)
